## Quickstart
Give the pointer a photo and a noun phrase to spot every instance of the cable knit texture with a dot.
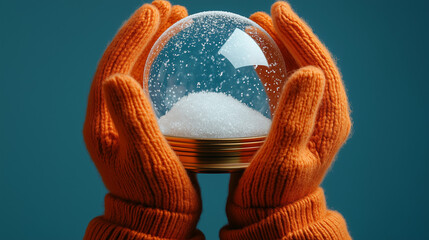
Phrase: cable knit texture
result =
(278, 195)
(151, 195)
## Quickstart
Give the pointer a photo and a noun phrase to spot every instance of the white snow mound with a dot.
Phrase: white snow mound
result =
(212, 115)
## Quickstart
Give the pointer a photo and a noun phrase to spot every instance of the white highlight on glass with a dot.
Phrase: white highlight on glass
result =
(241, 50)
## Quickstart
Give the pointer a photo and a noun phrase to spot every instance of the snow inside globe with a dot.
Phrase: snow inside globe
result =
(214, 79)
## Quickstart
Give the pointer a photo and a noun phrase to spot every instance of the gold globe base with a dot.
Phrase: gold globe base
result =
(216, 155)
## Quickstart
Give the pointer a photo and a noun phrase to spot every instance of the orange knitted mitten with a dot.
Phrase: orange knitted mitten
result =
(278, 195)
(151, 195)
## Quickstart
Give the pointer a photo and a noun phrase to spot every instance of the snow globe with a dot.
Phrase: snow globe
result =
(214, 79)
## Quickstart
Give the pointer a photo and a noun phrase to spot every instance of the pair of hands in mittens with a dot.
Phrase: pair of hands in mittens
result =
(137, 165)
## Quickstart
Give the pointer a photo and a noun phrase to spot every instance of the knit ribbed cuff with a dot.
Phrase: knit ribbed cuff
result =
(307, 219)
(127, 220)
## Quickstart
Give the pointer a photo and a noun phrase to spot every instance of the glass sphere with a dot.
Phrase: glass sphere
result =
(215, 52)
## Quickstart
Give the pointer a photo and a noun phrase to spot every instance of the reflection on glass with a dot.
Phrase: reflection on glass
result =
(241, 50)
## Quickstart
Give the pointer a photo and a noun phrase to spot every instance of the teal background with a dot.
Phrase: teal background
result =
(50, 189)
